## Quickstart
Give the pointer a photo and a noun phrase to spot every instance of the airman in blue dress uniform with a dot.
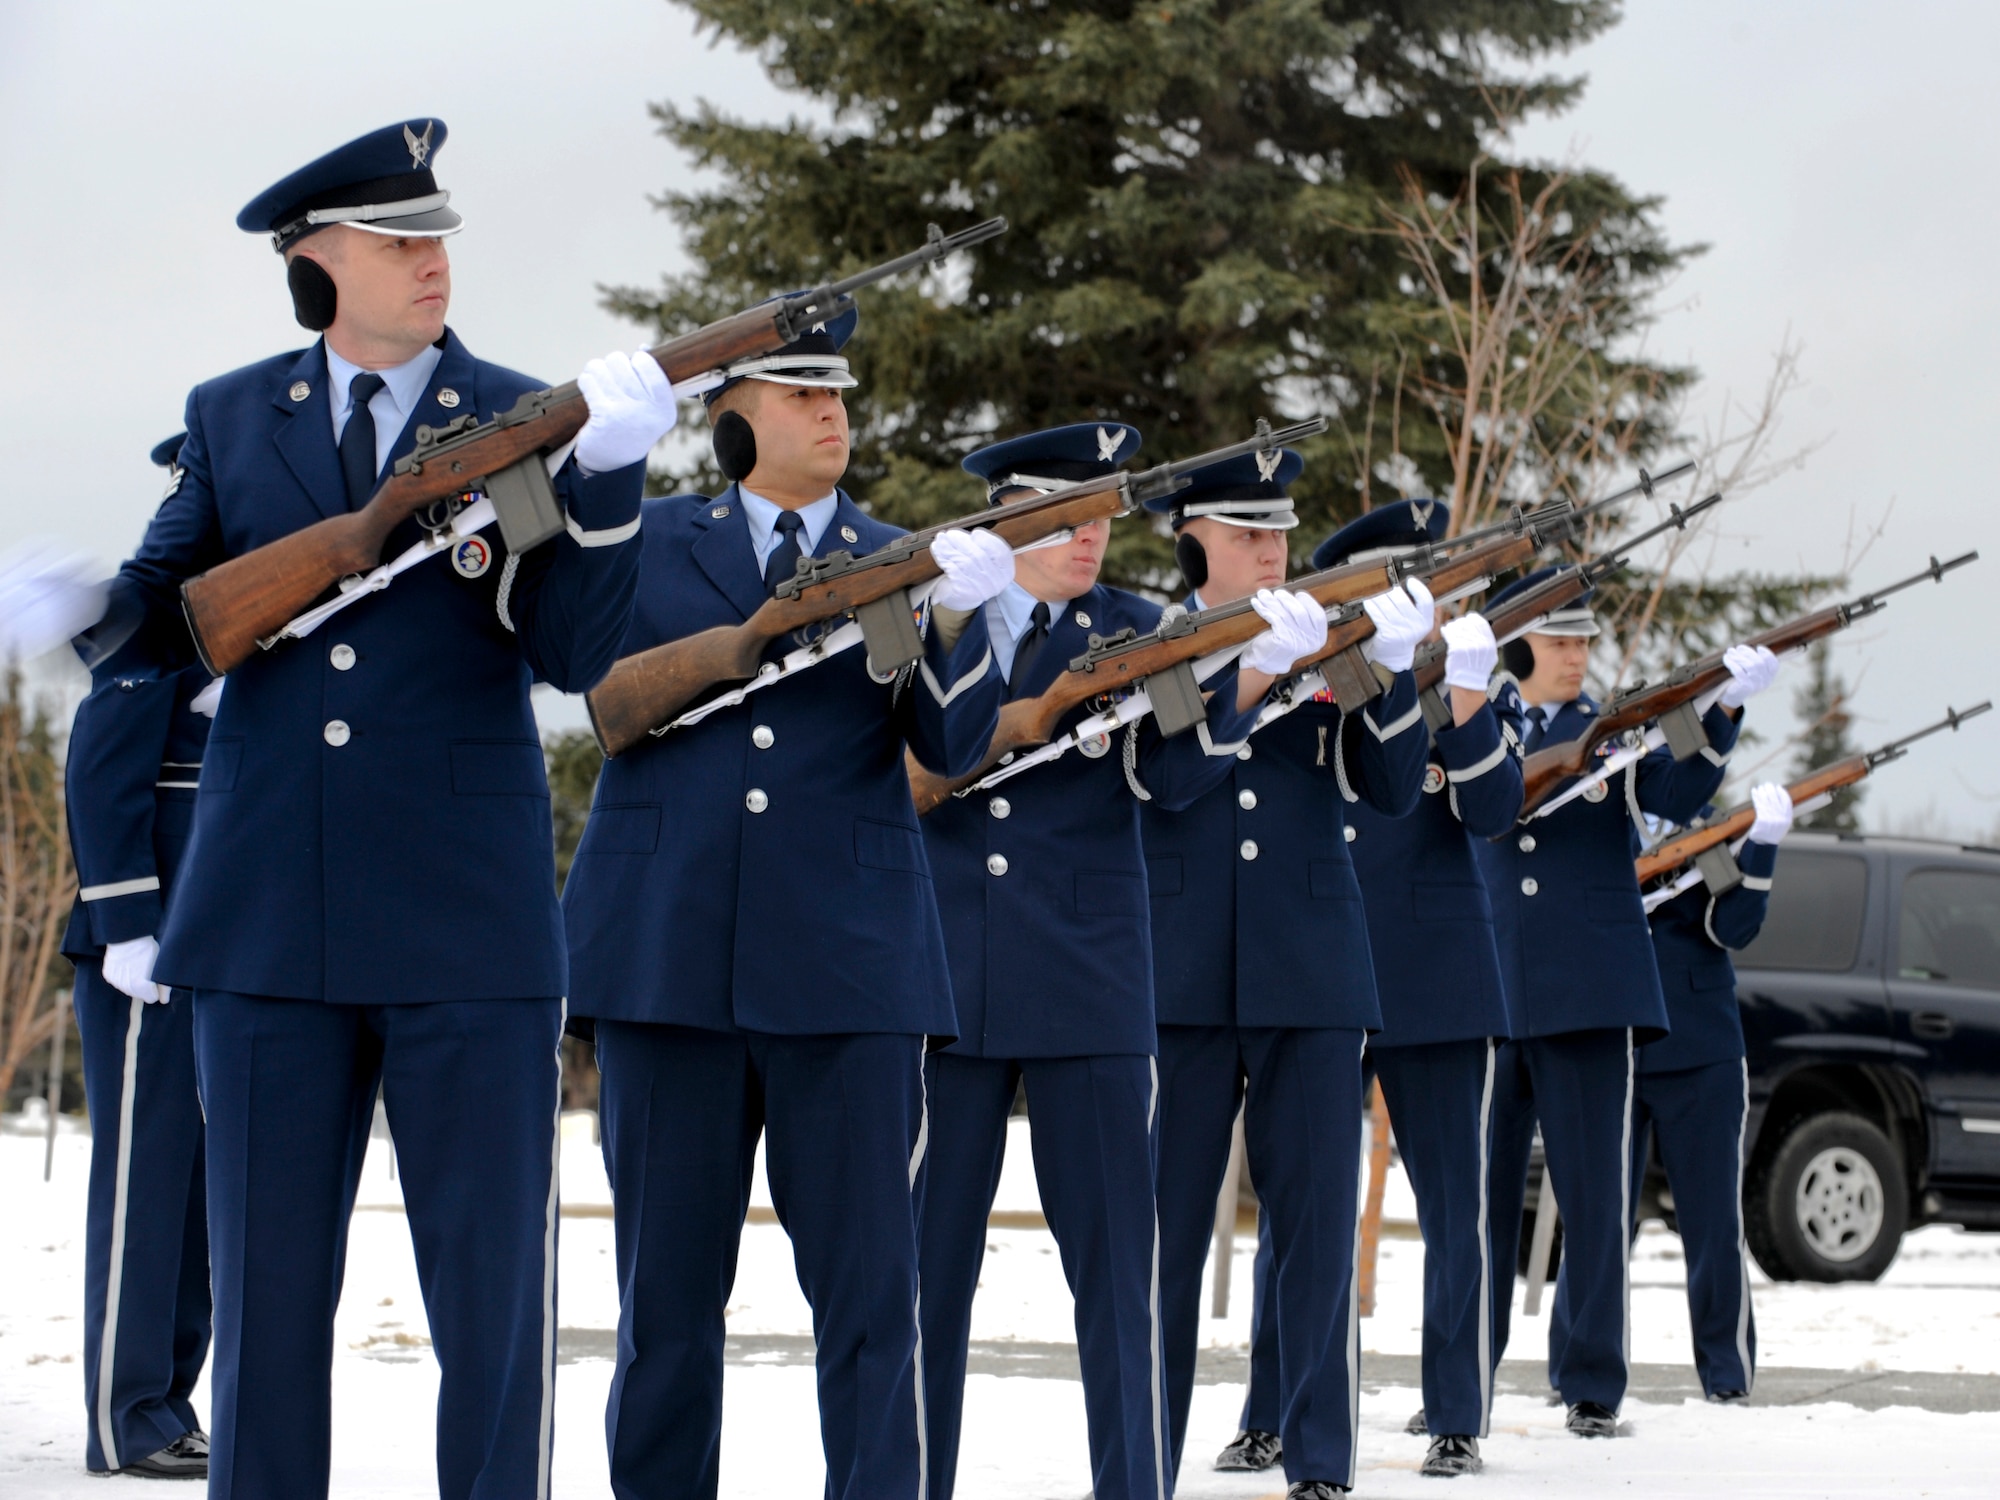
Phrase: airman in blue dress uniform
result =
(1042, 887)
(1582, 989)
(366, 896)
(1444, 1012)
(134, 754)
(1264, 988)
(753, 927)
(1691, 1092)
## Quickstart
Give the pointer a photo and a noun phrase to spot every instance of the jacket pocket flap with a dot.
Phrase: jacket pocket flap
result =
(889, 846)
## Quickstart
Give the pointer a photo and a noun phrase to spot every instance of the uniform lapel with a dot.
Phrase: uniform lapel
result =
(305, 441)
(456, 373)
(848, 531)
(722, 550)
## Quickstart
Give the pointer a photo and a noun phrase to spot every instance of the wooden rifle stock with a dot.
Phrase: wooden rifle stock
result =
(648, 689)
(1677, 852)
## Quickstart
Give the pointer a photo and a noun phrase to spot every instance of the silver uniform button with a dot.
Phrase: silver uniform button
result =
(762, 737)
(1530, 886)
(1527, 843)
(755, 800)
(1246, 799)
(1000, 807)
(336, 732)
(1349, 831)
(1248, 848)
(1244, 753)
(342, 657)
(996, 864)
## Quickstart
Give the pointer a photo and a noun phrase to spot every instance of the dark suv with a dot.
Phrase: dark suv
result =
(1871, 1005)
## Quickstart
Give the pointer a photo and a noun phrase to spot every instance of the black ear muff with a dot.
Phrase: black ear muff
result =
(735, 445)
(1518, 657)
(313, 294)
(1193, 560)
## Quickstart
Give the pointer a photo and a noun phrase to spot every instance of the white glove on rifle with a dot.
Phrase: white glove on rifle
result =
(128, 968)
(1774, 813)
(977, 566)
(47, 595)
(1469, 653)
(632, 407)
(1403, 617)
(1298, 628)
(1751, 670)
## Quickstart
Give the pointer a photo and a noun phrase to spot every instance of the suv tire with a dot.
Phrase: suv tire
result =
(1829, 1203)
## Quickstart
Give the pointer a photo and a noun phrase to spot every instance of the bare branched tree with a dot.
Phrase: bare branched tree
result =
(37, 879)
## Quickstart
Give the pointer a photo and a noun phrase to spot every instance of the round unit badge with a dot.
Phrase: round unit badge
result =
(1596, 793)
(1094, 745)
(1433, 778)
(471, 557)
(447, 397)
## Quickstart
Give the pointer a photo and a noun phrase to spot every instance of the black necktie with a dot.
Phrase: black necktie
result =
(784, 559)
(357, 440)
(1028, 648)
(1538, 726)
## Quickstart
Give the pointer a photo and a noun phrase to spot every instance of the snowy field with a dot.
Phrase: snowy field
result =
(1937, 1311)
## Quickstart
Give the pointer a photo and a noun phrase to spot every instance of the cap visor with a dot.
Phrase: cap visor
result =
(824, 380)
(1286, 522)
(433, 224)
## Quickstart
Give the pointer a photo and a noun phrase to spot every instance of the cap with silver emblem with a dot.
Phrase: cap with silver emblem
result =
(1246, 491)
(812, 359)
(380, 182)
(1049, 459)
(1386, 531)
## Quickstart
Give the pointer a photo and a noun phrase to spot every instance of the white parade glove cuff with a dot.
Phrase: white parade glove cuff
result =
(1470, 653)
(1403, 617)
(977, 567)
(1774, 813)
(1298, 628)
(632, 406)
(128, 968)
(1751, 670)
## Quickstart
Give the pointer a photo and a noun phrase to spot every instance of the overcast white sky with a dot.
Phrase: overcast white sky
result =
(1836, 156)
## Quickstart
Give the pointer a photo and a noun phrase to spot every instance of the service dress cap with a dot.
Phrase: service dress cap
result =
(1385, 531)
(166, 452)
(811, 359)
(1573, 618)
(1055, 456)
(1248, 490)
(380, 182)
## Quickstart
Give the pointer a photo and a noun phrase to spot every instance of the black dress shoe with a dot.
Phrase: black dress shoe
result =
(1728, 1398)
(186, 1457)
(1452, 1456)
(1589, 1420)
(1251, 1451)
(1417, 1426)
(1315, 1489)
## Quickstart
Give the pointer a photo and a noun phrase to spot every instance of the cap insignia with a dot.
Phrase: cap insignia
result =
(420, 145)
(1267, 463)
(1108, 444)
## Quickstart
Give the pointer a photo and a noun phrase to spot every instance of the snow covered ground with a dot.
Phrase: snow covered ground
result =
(1938, 1310)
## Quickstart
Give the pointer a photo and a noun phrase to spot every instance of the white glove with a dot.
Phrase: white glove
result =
(1403, 617)
(1751, 670)
(632, 407)
(1298, 628)
(1774, 813)
(209, 699)
(47, 595)
(977, 566)
(128, 968)
(1470, 653)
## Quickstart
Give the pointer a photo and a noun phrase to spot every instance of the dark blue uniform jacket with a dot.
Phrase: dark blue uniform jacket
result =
(1575, 949)
(1053, 956)
(414, 860)
(134, 753)
(807, 907)
(1692, 936)
(1437, 965)
(1257, 917)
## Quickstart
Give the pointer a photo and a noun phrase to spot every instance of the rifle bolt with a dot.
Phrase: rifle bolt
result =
(1000, 807)
(755, 800)
(1528, 845)
(996, 864)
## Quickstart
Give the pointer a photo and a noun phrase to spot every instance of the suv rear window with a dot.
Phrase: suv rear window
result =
(1814, 923)
(1951, 928)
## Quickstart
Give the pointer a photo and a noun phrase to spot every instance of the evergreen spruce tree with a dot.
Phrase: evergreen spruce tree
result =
(1201, 196)
(1821, 705)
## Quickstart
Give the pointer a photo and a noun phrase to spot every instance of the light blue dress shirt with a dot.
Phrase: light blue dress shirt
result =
(1007, 617)
(391, 406)
(763, 516)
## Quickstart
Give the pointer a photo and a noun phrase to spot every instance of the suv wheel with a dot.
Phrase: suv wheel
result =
(1829, 1204)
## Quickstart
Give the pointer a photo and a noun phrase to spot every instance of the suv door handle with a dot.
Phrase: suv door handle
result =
(1931, 1025)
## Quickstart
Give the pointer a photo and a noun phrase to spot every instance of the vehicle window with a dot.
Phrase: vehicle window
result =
(1817, 901)
(1951, 928)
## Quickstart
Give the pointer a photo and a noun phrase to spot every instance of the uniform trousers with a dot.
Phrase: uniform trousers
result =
(1261, 1412)
(843, 1119)
(146, 1311)
(1698, 1114)
(1579, 1084)
(1300, 1091)
(472, 1090)
(1440, 1100)
(1094, 1123)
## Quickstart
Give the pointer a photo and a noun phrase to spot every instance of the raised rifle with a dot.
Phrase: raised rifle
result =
(248, 602)
(1679, 702)
(646, 693)
(1710, 846)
